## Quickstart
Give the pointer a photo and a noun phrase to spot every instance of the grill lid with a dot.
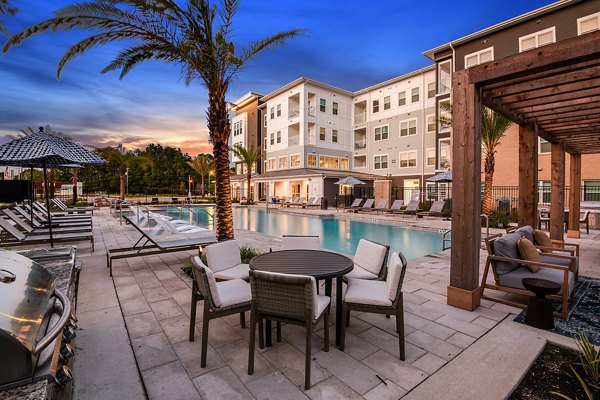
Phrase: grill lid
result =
(25, 297)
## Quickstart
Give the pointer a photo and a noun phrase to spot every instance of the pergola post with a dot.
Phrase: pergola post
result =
(466, 194)
(574, 196)
(528, 176)
(557, 195)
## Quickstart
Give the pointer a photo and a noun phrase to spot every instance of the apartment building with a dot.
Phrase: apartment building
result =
(557, 21)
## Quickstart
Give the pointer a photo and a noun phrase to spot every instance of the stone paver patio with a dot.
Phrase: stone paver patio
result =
(133, 339)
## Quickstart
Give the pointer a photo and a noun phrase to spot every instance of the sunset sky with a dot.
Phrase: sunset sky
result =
(350, 44)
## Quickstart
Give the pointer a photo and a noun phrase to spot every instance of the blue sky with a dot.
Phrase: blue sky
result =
(350, 44)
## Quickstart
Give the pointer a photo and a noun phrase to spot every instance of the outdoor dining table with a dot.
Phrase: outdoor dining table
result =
(321, 264)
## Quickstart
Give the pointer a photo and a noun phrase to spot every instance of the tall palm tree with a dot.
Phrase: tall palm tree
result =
(164, 31)
(203, 164)
(120, 161)
(5, 8)
(249, 157)
(493, 128)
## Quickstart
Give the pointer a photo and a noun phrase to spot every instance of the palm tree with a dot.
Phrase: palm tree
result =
(120, 161)
(493, 128)
(203, 164)
(163, 31)
(249, 157)
(5, 8)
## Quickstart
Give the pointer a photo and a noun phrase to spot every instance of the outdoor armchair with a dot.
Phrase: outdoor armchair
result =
(288, 298)
(220, 299)
(586, 220)
(380, 297)
(224, 260)
(290, 242)
(369, 261)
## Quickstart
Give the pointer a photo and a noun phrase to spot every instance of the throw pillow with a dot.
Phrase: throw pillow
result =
(528, 252)
(541, 239)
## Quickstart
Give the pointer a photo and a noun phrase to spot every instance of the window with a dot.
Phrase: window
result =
(271, 164)
(431, 157)
(322, 105)
(334, 135)
(444, 116)
(311, 160)
(588, 24)
(591, 190)
(431, 90)
(387, 102)
(334, 108)
(545, 146)
(279, 110)
(322, 134)
(444, 156)
(537, 39)
(344, 163)
(431, 123)
(402, 98)
(380, 162)
(414, 96)
(408, 127)
(278, 136)
(408, 159)
(239, 169)
(445, 76)
(479, 57)
(265, 145)
(272, 112)
(265, 120)
(381, 133)
(329, 162)
(283, 162)
(295, 161)
(238, 128)
(272, 139)
(375, 106)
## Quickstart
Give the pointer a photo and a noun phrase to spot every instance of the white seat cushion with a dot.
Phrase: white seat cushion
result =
(322, 303)
(212, 283)
(369, 256)
(360, 273)
(223, 255)
(240, 271)
(232, 292)
(362, 291)
(394, 274)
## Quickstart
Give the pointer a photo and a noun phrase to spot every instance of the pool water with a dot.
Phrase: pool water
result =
(340, 235)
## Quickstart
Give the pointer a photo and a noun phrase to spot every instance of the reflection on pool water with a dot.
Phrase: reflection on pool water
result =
(340, 235)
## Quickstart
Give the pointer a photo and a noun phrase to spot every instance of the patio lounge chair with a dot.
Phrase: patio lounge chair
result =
(40, 222)
(369, 261)
(396, 205)
(31, 230)
(292, 299)
(18, 238)
(355, 205)
(168, 226)
(381, 206)
(411, 208)
(315, 203)
(150, 245)
(380, 297)
(368, 206)
(60, 204)
(220, 299)
(43, 211)
(506, 263)
(435, 211)
(291, 242)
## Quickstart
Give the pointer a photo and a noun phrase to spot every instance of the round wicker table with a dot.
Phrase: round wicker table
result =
(318, 263)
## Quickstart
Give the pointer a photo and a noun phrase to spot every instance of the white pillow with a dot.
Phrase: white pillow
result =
(369, 256)
(212, 283)
(394, 274)
(224, 255)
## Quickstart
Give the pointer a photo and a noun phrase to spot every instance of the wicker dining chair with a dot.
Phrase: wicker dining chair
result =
(379, 297)
(220, 299)
(369, 261)
(288, 298)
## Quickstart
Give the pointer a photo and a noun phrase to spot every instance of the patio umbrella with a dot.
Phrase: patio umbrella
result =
(41, 150)
(442, 177)
(350, 180)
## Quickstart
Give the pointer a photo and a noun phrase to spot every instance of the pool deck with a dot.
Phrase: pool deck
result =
(132, 340)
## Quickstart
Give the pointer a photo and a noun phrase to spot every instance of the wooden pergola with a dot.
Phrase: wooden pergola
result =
(552, 92)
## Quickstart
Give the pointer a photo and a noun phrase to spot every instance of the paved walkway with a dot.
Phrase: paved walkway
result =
(145, 349)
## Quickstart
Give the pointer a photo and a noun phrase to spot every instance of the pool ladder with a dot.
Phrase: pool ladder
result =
(196, 213)
(447, 237)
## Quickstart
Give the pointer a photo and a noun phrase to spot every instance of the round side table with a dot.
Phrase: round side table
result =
(539, 310)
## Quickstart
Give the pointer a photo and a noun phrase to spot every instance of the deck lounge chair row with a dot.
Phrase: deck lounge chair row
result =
(411, 208)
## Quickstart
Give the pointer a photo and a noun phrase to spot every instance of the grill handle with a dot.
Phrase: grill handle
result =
(62, 322)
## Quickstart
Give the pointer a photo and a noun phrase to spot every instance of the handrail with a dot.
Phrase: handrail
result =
(197, 213)
(445, 240)
(120, 204)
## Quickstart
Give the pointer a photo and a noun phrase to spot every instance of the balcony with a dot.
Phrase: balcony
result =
(444, 86)
(293, 140)
(293, 112)
(312, 111)
(359, 118)
(360, 144)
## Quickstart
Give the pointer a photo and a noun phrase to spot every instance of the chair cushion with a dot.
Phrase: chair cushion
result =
(223, 255)
(394, 274)
(370, 256)
(506, 246)
(240, 271)
(514, 278)
(528, 252)
(362, 291)
(527, 232)
(360, 273)
(300, 242)
(212, 283)
(233, 292)
(321, 304)
(541, 239)
(549, 259)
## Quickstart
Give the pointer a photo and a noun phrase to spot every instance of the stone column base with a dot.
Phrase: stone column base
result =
(462, 298)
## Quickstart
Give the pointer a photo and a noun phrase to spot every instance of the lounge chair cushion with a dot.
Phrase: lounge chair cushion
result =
(240, 271)
(223, 255)
(527, 232)
(361, 291)
(541, 239)
(360, 273)
(233, 292)
(514, 278)
(528, 252)
(548, 259)
(394, 275)
(369, 256)
(506, 246)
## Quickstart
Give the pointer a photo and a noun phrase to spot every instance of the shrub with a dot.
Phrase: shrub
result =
(498, 219)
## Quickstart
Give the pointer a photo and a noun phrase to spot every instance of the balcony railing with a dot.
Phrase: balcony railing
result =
(445, 85)
(293, 141)
(360, 144)
(312, 140)
(293, 112)
(359, 118)
(312, 111)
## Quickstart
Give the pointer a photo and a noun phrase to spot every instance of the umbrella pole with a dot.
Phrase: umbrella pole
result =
(32, 196)
(48, 205)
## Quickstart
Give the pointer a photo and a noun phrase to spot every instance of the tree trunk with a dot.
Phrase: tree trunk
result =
(489, 178)
(75, 186)
(249, 177)
(202, 188)
(122, 186)
(219, 128)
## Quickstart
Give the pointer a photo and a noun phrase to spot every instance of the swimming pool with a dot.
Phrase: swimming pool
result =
(340, 235)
